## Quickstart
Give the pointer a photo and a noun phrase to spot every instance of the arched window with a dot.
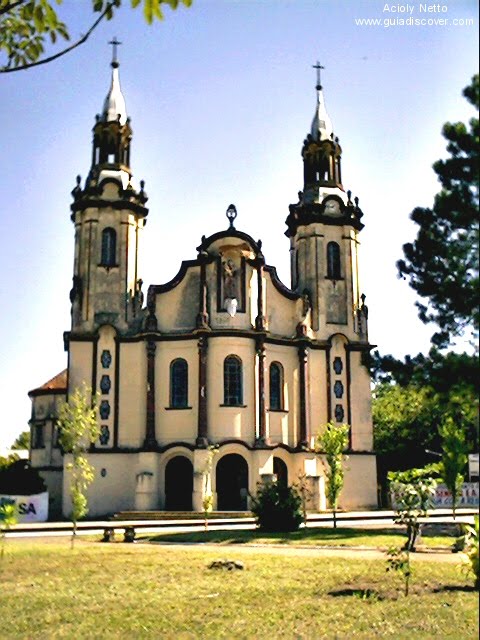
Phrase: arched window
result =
(276, 386)
(179, 384)
(333, 261)
(109, 247)
(232, 381)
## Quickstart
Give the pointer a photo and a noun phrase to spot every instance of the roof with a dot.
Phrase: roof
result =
(57, 384)
(114, 106)
(321, 125)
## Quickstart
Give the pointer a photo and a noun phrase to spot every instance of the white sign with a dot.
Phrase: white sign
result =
(29, 508)
(473, 464)
(467, 498)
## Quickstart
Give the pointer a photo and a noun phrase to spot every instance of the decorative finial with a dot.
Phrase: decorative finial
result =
(318, 67)
(231, 214)
(114, 44)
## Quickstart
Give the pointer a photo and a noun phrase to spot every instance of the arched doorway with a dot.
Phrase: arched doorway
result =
(280, 470)
(232, 483)
(178, 484)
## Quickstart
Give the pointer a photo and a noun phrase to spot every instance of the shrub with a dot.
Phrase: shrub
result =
(471, 550)
(19, 479)
(277, 507)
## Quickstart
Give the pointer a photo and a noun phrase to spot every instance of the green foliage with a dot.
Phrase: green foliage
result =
(442, 262)
(78, 429)
(25, 28)
(413, 397)
(404, 421)
(7, 461)
(22, 441)
(454, 458)
(471, 549)
(277, 507)
(333, 442)
(78, 422)
(440, 371)
(8, 517)
(207, 500)
(18, 478)
(28, 26)
(412, 493)
(399, 560)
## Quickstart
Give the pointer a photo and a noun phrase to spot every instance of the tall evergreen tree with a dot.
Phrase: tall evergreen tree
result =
(442, 263)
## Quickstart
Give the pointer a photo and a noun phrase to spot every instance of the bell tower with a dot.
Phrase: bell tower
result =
(109, 214)
(323, 228)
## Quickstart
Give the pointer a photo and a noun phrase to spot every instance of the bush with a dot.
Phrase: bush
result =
(471, 550)
(19, 479)
(277, 507)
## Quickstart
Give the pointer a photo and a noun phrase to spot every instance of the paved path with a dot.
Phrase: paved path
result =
(310, 551)
(358, 553)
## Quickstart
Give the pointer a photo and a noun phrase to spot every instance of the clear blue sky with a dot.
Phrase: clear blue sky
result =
(221, 96)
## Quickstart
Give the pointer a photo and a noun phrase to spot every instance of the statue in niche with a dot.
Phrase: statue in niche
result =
(230, 285)
(229, 279)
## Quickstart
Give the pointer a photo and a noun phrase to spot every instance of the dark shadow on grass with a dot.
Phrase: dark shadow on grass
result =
(468, 588)
(320, 536)
(362, 594)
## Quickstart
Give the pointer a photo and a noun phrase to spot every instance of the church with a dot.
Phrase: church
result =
(224, 355)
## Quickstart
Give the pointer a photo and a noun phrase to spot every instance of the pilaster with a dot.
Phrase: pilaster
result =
(150, 442)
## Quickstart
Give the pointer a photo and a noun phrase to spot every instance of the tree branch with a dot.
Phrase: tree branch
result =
(83, 39)
(11, 5)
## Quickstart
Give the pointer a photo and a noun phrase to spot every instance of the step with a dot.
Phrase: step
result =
(178, 515)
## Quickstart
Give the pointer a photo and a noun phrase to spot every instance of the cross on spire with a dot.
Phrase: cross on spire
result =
(114, 44)
(318, 67)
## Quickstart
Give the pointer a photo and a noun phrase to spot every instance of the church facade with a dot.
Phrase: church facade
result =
(223, 355)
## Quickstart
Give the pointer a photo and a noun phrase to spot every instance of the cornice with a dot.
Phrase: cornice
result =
(304, 214)
(86, 202)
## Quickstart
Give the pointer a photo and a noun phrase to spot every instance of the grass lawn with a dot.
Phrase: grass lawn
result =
(340, 537)
(149, 591)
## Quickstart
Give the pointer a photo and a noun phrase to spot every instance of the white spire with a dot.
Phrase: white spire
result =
(322, 128)
(321, 125)
(114, 104)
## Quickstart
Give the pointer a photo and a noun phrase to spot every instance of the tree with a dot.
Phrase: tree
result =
(78, 429)
(412, 494)
(27, 25)
(333, 442)
(207, 500)
(405, 424)
(440, 371)
(22, 441)
(454, 458)
(19, 478)
(442, 263)
(413, 397)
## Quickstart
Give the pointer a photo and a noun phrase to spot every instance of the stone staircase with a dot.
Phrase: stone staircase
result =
(179, 515)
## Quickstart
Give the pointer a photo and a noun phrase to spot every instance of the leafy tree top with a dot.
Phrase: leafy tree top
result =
(78, 422)
(22, 441)
(442, 263)
(27, 27)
